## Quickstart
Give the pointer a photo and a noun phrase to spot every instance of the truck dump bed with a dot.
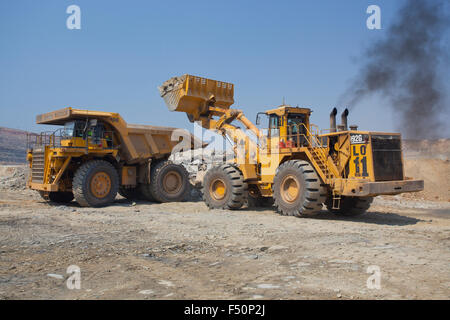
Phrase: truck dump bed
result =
(137, 142)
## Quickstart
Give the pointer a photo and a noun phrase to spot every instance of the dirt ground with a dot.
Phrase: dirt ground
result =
(185, 251)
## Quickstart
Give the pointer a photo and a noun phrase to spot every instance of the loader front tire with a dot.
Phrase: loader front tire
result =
(224, 188)
(169, 182)
(350, 206)
(95, 184)
(297, 189)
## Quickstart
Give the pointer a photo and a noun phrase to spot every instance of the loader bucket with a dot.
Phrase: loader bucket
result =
(190, 93)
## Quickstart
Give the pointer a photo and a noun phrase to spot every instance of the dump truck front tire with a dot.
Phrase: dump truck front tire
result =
(297, 189)
(95, 184)
(224, 188)
(169, 182)
(350, 206)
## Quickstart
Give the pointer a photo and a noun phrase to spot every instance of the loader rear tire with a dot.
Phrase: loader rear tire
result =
(297, 189)
(169, 182)
(350, 206)
(224, 188)
(57, 196)
(95, 184)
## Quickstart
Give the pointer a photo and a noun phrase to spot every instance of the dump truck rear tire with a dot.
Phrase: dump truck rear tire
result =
(57, 196)
(169, 182)
(224, 188)
(350, 206)
(297, 189)
(95, 184)
(144, 192)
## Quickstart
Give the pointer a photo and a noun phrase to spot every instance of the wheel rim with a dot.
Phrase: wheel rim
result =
(172, 182)
(290, 189)
(218, 189)
(100, 184)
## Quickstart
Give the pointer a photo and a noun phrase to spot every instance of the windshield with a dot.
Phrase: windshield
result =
(73, 129)
(68, 129)
(294, 121)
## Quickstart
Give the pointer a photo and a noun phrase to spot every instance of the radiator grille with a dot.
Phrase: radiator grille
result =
(387, 157)
(37, 166)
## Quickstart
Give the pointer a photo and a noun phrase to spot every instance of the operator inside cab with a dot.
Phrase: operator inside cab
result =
(296, 130)
(81, 129)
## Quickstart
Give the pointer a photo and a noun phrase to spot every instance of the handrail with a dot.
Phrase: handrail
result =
(314, 145)
(53, 139)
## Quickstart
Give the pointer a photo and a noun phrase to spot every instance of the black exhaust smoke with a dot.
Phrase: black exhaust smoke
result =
(404, 68)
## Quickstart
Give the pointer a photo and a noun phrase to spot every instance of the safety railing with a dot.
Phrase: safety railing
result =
(299, 135)
(53, 139)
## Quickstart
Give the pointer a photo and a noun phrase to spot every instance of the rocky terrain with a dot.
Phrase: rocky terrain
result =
(144, 250)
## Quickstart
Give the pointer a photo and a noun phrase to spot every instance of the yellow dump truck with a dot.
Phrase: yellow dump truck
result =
(292, 163)
(95, 155)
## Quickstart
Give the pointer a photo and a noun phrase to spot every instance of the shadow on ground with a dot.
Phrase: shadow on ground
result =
(373, 217)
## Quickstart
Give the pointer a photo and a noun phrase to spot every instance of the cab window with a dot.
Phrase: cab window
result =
(68, 129)
(274, 123)
(295, 121)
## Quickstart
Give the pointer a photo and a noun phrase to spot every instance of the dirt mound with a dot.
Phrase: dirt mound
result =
(13, 177)
(429, 149)
(428, 160)
(435, 173)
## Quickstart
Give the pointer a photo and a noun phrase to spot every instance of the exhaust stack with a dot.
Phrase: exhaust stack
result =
(344, 115)
(333, 120)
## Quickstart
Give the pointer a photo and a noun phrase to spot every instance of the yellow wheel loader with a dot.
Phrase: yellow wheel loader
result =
(291, 162)
(95, 155)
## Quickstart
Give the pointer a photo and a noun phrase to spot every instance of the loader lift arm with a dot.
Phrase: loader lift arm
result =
(202, 99)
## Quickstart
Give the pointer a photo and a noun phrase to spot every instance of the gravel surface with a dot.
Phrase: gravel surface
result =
(185, 251)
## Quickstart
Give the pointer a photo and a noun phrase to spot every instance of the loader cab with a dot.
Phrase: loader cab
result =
(289, 125)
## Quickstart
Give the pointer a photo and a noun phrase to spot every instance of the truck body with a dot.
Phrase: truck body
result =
(127, 153)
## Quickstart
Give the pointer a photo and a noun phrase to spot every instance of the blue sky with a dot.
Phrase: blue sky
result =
(305, 51)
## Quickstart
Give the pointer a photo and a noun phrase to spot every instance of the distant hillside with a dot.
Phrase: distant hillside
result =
(12, 146)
